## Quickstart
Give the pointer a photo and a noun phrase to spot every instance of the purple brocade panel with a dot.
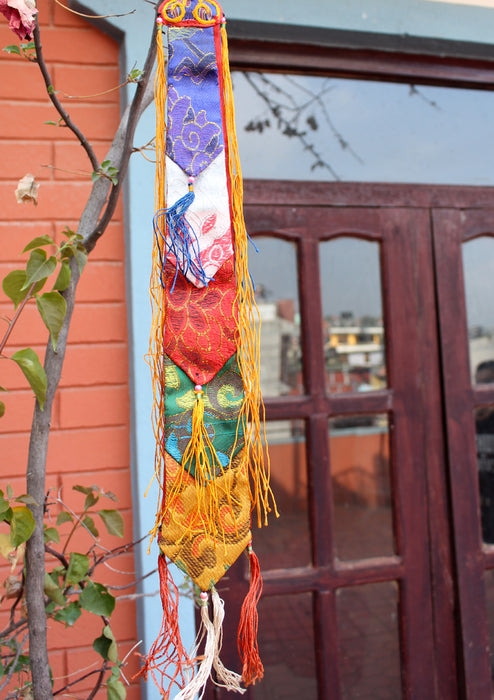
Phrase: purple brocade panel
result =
(195, 134)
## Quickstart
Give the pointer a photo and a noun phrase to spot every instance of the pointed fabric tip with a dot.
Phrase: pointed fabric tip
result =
(252, 668)
(167, 661)
(178, 240)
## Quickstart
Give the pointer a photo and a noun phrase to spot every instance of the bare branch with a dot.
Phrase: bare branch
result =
(121, 148)
(81, 14)
(56, 102)
(11, 672)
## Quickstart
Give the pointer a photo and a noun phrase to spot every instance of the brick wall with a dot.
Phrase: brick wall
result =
(89, 442)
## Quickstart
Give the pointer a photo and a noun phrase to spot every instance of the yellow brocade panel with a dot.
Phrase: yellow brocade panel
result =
(182, 538)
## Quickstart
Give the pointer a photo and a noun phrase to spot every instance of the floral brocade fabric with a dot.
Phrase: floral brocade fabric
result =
(223, 397)
(182, 536)
(200, 326)
(195, 134)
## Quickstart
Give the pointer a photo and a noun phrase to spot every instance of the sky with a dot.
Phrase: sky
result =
(364, 132)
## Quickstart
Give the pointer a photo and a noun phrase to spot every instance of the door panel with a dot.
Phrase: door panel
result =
(388, 588)
(451, 229)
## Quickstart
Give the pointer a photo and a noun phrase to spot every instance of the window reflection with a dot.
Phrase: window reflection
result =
(362, 510)
(286, 542)
(287, 648)
(478, 264)
(369, 642)
(304, 127)
(274, 271)
(484, 427)
(353, 324)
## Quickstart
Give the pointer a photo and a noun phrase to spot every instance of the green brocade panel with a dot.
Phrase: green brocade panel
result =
(223, 397)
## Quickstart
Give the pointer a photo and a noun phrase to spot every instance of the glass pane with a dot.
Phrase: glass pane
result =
(359, 454)
(286, 542)
(274, 271)
(369, 643)
(286, 646)
(489, 598)
(478, 266)
(484, 428)
(316, 128)
(353, 323)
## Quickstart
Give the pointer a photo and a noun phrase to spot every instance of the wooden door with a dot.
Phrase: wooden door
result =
(374, 574)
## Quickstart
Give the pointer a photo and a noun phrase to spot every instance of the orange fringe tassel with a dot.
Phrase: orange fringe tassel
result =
(167, 656)
(252, 669)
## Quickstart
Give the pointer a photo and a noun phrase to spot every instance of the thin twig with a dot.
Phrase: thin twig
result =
(134, 113)
(14, 662)
(57, 555)
(133, 583)
(78, 680)
(16, 316)
(99, 682)
(81, 14)
(56, 102)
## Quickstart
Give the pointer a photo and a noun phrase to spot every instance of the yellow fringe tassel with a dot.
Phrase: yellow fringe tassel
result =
(155, 358)
(200, 450)
(252, 414)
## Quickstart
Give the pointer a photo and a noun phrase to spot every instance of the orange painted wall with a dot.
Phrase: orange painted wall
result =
(89, 443)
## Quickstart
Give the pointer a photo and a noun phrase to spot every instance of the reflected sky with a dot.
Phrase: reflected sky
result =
(478, 266)
(313, 128)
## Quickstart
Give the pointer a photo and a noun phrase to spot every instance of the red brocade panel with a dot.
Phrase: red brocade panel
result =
(200, 327)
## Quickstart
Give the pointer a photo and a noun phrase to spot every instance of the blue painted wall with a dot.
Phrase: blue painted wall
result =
(424, 18)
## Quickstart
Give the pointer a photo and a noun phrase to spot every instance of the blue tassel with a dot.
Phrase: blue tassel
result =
(180, 240)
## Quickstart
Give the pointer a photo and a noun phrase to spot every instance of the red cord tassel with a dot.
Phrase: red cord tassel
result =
(167, 659)
(252, 670)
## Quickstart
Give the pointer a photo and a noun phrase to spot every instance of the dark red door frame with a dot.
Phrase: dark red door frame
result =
(422, 486)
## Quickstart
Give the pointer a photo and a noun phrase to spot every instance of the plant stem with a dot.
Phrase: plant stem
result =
(23, 303)
(56, 102)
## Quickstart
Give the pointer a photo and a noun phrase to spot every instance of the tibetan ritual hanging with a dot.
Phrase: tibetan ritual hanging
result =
(208, 415)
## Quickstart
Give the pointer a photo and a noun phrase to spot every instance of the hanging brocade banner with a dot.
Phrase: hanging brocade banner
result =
(211, 464)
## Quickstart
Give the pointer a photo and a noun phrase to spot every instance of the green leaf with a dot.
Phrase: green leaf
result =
(89, 523)
(51, 535)
(4, 504)
(81, 256)
(63, 279)
(64, 517)
(113, 521)
(96, 599)
(39, 266)
(10, 491)
(39, 241)
(13, 286)
(30, 365)
(115, 690)
(51, 123)
(84, 489)
(69, 615)
(91, 499)
(68, 232)
(53, 590)
(52, 308)
(28, 500)
(78, 568)
(106, 645)
(2, 409)
(95, 176)
(21, 525)
(12, 48)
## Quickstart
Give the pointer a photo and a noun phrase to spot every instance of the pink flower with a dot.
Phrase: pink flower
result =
(20, 14)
